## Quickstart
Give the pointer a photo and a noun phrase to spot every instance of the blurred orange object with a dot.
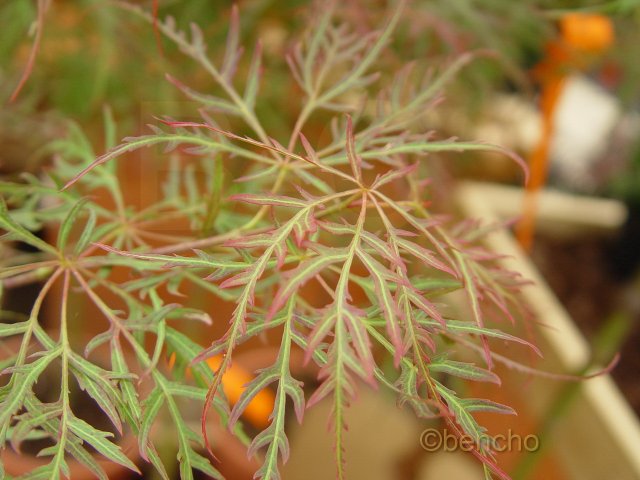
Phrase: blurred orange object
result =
(589, 33)
(582, 38)
(233, 383)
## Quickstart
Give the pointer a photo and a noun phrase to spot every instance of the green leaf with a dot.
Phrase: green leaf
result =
(31, 420)
(202, 464)
(473, 296)
(21, 233)
(311, 179)
(187, 350)
(265, 378)
(87, 233)
(426, 256)
(464, 370)
(152, 405)
(274, 436)
(41, 473)
(381, 278)
(8, 329)
(130, 404)
(168, 261)
(98, 440)
(232, 51)
(23, 380)
(270, 199)
(301, 274)
(188, 458)
(483, 405)
(68, 223)
(253, 77)
(460, 327)
(354, 160)
(154, 458)
(393, 175)
(215, 103)
(408, 385)
(96, 341)
(214, 202)
(88, 461)
(462, 414)
(182, 390)
(94, 381)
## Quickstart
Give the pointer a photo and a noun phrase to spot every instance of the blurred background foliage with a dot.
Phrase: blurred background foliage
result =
(94, 53)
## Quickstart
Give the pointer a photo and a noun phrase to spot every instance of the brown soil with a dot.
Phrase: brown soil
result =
(580, 273)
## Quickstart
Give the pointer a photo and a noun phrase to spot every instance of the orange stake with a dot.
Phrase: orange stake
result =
(582, 38)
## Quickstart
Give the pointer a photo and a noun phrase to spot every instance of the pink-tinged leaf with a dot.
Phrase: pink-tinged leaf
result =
(520, 367)
(218, 347)
(265, 440)
(415, 222)
(399, 232)
(311, 153)
(269, 199)
(307, 196)
(464, 370)
(354, 160)
(384, 250)
(360, 341)
(408, 385)
(474, 299)
(393, 175)
(212, 277)
(305, 225)
(265, 378)
(197, 38)
(253, 77)
(43, 6)
(321, 392)
(277, 145)
(209, 101)
(471, 328)
(313, 180)
(169, 261)
(278, 149)
(423, 254)
(258, 175)
(155, 6)
(297, 277)
(424, 337)
(260, 240)
(293, 388)
(281, 253)
(337, 228)
(322, 328)
(232, 48)
(294, 70)
(425, 305)
(238, 280)
(386, 301)
(482, 405)
(499, 301)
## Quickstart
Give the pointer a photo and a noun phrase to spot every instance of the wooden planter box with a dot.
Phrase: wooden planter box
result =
(599, 436)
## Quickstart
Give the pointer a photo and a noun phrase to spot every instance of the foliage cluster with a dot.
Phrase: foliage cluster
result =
(343, 213)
